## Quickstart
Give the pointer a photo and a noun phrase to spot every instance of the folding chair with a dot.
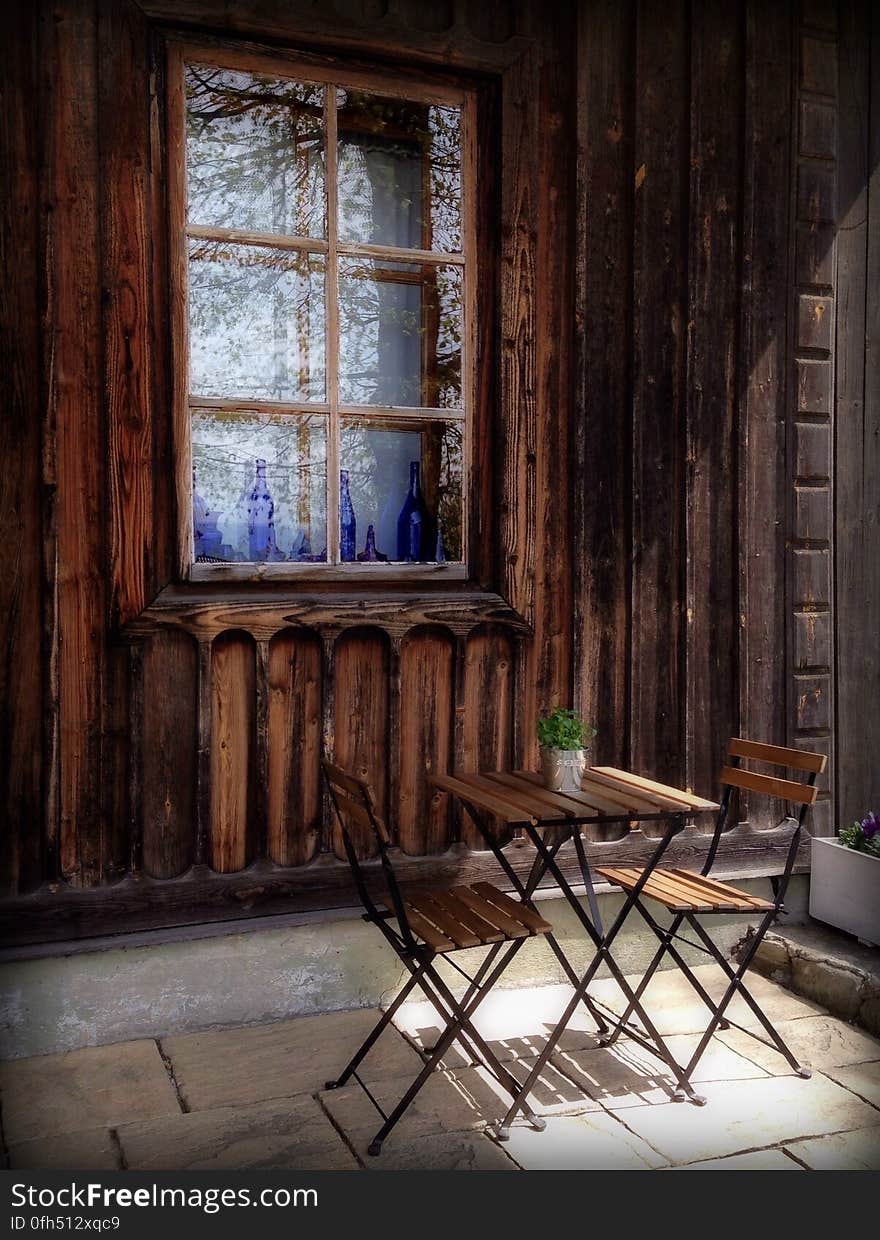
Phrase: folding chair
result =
(686, 895)
(421, 925)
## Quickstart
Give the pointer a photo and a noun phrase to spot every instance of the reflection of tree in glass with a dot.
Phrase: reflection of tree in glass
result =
(399, 172)
(255, 152)
(256, 322)
(400, 334)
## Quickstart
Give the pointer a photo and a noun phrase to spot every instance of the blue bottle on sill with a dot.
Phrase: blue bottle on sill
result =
(261, 518)
(412, 525)
(347, 522)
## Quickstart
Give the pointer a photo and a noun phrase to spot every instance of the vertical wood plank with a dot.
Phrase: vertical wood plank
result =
(857, 465)
(261, 751)
(361, 718)
(657, 704)
(488, 717)
(72, 375)
(124, 96)
(426, 739)
(548, 666)
(713, 264)
(169, 758)
(763, 360)
(22, 677)
(294, 793)
(120, 708)
(516, 453)
(600, 489)
(233, 691)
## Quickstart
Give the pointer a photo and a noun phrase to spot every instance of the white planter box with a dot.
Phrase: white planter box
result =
(845, 889)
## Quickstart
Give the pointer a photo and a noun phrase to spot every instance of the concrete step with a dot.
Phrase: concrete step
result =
(827, 966)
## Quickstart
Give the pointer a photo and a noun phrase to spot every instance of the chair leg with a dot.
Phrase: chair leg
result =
(448, 1036)
(503, 1076)
(666, 946)
(385, 1019)
(736, 986)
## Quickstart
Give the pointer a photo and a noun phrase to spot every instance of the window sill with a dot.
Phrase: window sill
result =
(381, 574)
(203, 611)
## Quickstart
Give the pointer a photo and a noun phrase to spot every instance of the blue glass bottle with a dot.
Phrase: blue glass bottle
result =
(413, 533)
(261, 517)
(370, 555)
(347, 522)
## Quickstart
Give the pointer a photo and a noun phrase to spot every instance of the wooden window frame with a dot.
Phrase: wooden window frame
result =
(386, 82)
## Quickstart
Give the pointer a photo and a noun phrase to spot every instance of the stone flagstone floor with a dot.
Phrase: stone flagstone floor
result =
(254, 1097)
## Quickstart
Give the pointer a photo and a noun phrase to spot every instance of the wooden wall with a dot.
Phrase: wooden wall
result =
(672, 393)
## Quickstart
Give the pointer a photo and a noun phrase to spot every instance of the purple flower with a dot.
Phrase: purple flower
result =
(870, 826)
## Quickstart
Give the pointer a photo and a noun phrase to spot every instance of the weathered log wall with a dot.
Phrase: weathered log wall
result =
(671, 338)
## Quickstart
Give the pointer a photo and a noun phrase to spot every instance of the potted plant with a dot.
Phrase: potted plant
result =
(563, 739)
(845, 880)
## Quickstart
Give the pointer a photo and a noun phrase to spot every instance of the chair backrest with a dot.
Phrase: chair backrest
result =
(353, 801)
(801, 792)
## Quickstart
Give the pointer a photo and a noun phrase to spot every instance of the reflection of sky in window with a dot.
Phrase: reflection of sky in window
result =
(226, 448)
(255, 152)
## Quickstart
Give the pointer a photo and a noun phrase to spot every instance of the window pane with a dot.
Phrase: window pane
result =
(399, 172)
(254, 152)
(399, 334)
(259, 487)
(402, 482)
(256, 322)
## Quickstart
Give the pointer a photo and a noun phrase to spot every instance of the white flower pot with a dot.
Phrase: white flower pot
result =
(845, 889)
(563, 768)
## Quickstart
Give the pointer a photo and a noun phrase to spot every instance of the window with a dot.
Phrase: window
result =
(326, 277)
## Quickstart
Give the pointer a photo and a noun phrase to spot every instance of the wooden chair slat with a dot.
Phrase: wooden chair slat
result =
(495, 804)
(447, 923)
(486, 931)
(771, 785)
(795, 759)
(511, 928)
(514, 908)
(353, 785)
(627, 877)
(353, 810)
(423, 928)
(713, 884)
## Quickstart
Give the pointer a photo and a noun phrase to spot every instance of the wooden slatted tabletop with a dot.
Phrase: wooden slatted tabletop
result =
(520, 796)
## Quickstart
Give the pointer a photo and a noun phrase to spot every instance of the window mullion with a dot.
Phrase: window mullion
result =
(332, 348)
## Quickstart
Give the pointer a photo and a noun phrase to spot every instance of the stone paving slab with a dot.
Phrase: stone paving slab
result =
(293, 1135)
(92, 1150)
(744, 1115)
(627, 1075)
(594, 1142)
(447, 1151)
(863, 1079)
(845, 1151)
(757, 1160)
(516, 1023)
(464, 1099)
(90, 1088)
(675, 1007)
(818, 1042)
(233, 1067)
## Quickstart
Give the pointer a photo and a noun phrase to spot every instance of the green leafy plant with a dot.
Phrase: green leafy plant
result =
(863, 836)
(563, 729)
